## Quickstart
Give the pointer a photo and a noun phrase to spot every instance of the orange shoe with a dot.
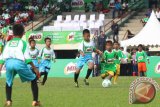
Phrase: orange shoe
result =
(36, 103)
(8, 104)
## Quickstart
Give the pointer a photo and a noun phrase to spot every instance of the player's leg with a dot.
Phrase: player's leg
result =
(76, 75)
(26, 74)
(144, 69)
(79, 66)
(117, 74)
(45, 77)
(140, 69)
(89, 71)
(45, 68)
(35, 91)
(10, 74)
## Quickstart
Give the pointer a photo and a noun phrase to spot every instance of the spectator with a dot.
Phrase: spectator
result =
(158, 13)
(2, 21)
(145, 20)
(44, 11)
(86, 7)
(36, 9)
(148, 14)
(134, 63)
(124, 7)
(115, 31)
(96, 70)
(129, 34)
(6, 17)
(5, 30)
(101, 41)
(117, 8)
(129, 64)
(9, 34)
(31, 15)
(123, 67)
(17, 19)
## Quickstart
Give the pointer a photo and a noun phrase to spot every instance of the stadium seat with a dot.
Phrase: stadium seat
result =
(76, 18)
(101, 17)
(51, 28)
(57, 24)
(97, 25)
(92, 17)
(83, 18)
(68, 18)
(83, 25)
(59, 18)
(99, 22)
(91, 24)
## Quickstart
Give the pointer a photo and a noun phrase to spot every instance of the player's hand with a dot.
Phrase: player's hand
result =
(37, 72)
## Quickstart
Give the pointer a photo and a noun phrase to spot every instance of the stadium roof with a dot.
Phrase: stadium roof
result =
(148, 36)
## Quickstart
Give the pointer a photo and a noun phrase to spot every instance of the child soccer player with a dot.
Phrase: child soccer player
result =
(47, 55)
(117, 60)
(34, 52)
(108, 69)
(85, 49)
(16, 57)
(141, 58)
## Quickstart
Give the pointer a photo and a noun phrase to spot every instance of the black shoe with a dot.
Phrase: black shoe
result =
(76, 84)
(86, 82)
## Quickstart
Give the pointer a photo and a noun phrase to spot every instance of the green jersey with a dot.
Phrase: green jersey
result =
(119, 55)
(141, 56)
(109, 58)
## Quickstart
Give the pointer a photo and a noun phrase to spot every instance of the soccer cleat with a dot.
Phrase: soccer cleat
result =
(86, 82)
(36, 103)
(76, 84)
(39, 81)
(8, 104)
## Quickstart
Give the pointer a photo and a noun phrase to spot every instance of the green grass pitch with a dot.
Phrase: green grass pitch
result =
(60, 92)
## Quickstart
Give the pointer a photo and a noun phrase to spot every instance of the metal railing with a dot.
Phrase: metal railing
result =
(42, 21)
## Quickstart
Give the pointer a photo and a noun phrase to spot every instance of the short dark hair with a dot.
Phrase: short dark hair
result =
(121, 48)
(86, 31)
(117, 42)
(109, 41)
(47, 38)
(31, 40)
(18, 30)
(140, 45)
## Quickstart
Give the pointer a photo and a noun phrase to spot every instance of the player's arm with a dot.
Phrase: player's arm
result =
(29, 61)
(80, 49)
(53, 56)
(1, 63)
(40, 55)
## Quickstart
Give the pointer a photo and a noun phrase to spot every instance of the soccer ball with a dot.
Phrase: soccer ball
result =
(106, 83)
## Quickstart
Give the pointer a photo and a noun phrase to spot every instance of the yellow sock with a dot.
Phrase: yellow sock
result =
(115, 78)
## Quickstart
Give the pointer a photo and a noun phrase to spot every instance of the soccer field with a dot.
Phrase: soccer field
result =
(60, 92)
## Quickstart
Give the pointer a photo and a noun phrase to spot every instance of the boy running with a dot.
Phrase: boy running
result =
(108, 69)
(117, 60)
(16, 57)
(141, 58)
(34, 52)
(47, 55)
(85, 49)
